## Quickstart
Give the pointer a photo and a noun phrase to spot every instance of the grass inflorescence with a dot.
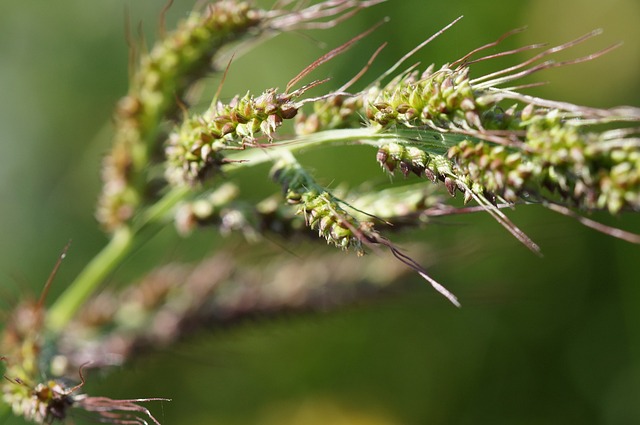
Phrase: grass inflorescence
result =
(477, 136)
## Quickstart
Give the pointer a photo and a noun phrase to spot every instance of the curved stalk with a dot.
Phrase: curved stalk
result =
(88, 280)
(432, 141)
(111, 256)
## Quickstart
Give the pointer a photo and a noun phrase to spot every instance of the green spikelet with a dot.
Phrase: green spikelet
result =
(320, 209)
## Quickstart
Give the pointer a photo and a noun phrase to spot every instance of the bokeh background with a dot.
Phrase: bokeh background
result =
(539, 341)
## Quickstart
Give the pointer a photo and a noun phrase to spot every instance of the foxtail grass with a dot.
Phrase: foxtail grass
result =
(478, 137)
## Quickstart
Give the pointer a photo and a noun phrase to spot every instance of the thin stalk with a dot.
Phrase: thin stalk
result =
(121, 243)
(88, 280)
(432, 141)
(157, 212)
(5, 411)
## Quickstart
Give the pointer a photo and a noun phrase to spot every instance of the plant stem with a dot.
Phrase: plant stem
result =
(88, 280)
(121, 243)
(5, 411)
(158, 211)
(434, 142)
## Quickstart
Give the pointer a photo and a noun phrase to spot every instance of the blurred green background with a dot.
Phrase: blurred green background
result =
(538, 341)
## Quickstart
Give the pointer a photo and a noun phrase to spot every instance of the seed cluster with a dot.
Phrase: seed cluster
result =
(333, 112)
(574, 165)
(22, 387)
(442, 99)
(408, 159)
(162, 75)
(585, 167)
(320, 209)
(195, 150)
(435, 167)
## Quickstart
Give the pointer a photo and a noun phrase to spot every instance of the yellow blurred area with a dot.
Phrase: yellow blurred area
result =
(321, 411)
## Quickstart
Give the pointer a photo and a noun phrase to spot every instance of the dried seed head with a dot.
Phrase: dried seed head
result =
(451, 186)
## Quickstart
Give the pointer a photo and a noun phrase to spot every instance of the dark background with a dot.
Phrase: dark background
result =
(539, 341)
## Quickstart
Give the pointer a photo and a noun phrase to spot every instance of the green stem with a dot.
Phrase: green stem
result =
(121, 243)
(157, 212)
(88, 280)
(5, 411)
(431, 140)
(253, 156)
